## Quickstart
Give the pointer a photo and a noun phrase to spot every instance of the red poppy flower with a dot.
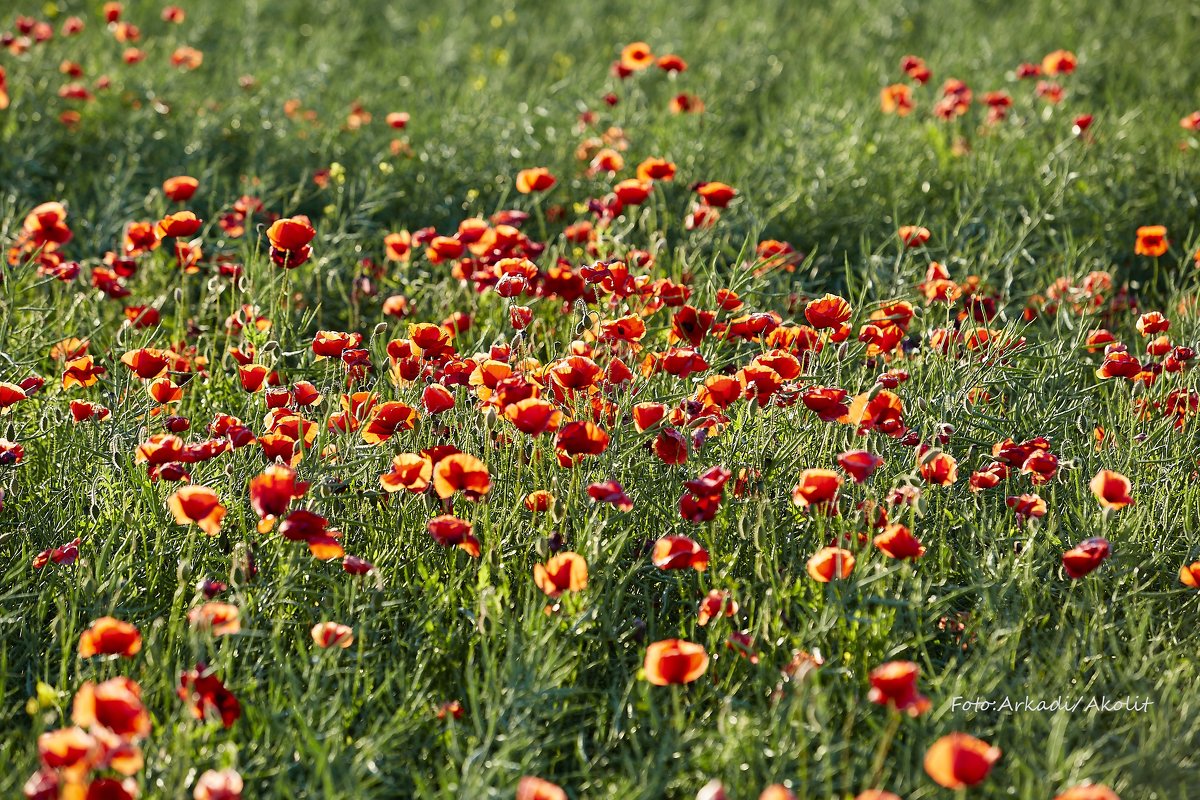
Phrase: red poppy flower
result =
(533, 788)
(1086, 556)
(332, 634)
(386, 420)
(533, 416)
(206, 695)
(679, 552)
(108, 636)
(1060, 62)
(817, 487)
(612, 493)
(896, 99)
(1027, 506)
(216, 618)
(937, 467)
(181, 188)
(913, 235)
(674, 661)
(115, 704)
(450, 531)
(959, 760)
(82, 372)
(859, 464)
(581, 438)
(199, 505)
(895, 684)
(272, 491)
(715, 193)
(536, 179)
(829, 311)
(656, 169)
(830, 563)
(1111, 489)
(717, 603)
(565, 572)
(897, 541)
(180, 225)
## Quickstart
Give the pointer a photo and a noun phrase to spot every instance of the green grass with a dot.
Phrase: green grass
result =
(792, 120)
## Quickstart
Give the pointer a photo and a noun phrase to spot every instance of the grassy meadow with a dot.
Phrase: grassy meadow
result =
(1001, 324)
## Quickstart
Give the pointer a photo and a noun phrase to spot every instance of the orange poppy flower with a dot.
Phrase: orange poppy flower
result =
(226, 784)
(533, 416)
(656, 169)
(881, 410)
(464, 473)
(409, 471)
(674, 661)
(937, 467)
(565, 572)
(538, 501)
(817, 488)
(830, 563)
(165, 391)
(450, 531)
(180, 225)
(386, 420)
(777, 791)
(218, 619)
(108, 636)
(679, 552)
(717, 603)
(82, 372)
(1111, 489)
(636, 56)
(1151, 241)
(1088, 791)
(1189, 575)
(115, 704)
(829, 311)
(1086, 556)
(913, 235)
(1152, 322)
(199, 505)
(897, 541)
(895, 684)
(876, 794)
(532, 788)
(896, 99)
(536, 179)
(332, 634)
(1060, 62)
(959, 760)
(397, 246)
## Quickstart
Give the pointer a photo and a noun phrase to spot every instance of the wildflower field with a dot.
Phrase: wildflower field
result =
(599, 400)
